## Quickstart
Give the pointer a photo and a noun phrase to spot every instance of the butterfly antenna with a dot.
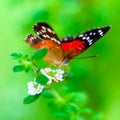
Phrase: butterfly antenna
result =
(89, 56)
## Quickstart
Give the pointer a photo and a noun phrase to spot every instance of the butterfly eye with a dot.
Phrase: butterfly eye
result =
(65, 62)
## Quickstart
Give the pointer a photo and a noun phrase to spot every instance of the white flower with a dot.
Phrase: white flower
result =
(47, 69)
(52, 74)
(59, 77)
(59, 71)
(34, 88)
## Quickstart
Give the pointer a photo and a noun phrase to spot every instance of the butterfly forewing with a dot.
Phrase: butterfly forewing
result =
(74, 46)
(93, 35)
(46, 32)
(48, 39)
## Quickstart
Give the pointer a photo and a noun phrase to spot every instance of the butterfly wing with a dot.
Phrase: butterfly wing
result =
(48, 40)
(45, 32)
(35, 42)
(74, 46)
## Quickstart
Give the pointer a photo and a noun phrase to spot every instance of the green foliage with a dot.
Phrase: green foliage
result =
(71, 106)
(16, 55)
(26, 63)
(18, 68)
(41, 80)
(61, 115)
(64, 104)
(77, 97)
(39, 54)
(47, 94)
(99, 77)
(30, 99)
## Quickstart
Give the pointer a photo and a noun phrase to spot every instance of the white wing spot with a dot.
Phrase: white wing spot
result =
(58, 42)
(94, 33)
(43, 31)
(39, 33)
(49, 30)
(87, 38)
(90, 33)
(43, 27)
(65, 39)
(81, 35)
(47, 36)
(54, 39)
(44, 36)
(32, 38)
(99, 31)
(84, 38)
(90, 42)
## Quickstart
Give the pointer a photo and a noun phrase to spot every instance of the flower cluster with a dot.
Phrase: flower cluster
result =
(52, 74)
(34, 88)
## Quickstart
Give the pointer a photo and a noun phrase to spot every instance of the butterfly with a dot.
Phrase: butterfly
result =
(60, 52)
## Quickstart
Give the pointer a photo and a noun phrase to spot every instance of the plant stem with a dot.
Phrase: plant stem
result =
(57, 95)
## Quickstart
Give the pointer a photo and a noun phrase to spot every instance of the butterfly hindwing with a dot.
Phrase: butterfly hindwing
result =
(35, 42)
(74, 46)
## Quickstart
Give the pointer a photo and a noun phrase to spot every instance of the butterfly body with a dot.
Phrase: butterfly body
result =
(60, 52)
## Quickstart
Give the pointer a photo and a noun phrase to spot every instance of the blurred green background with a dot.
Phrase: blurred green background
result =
(99, 77)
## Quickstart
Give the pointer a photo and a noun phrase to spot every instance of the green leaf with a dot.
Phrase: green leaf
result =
(39, 54)
(74, 107)
(63, 89)
(41, 80)
(30, 99)
(28, 69)
(66, 108)
(70, 75)
(79, 98)
(16, 55)
(18, 68)
(47, 94)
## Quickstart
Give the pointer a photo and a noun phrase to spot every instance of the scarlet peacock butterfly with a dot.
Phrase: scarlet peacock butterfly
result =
(62, 51)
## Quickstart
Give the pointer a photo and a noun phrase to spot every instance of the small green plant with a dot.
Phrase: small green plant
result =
(64, 104)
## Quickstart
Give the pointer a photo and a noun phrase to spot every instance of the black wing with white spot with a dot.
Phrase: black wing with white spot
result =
(45, 32)
(93, 35)
(67, 39)
(74, 46)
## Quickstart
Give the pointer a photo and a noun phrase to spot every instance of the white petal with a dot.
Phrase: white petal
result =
(59, 71)
(33, 89)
